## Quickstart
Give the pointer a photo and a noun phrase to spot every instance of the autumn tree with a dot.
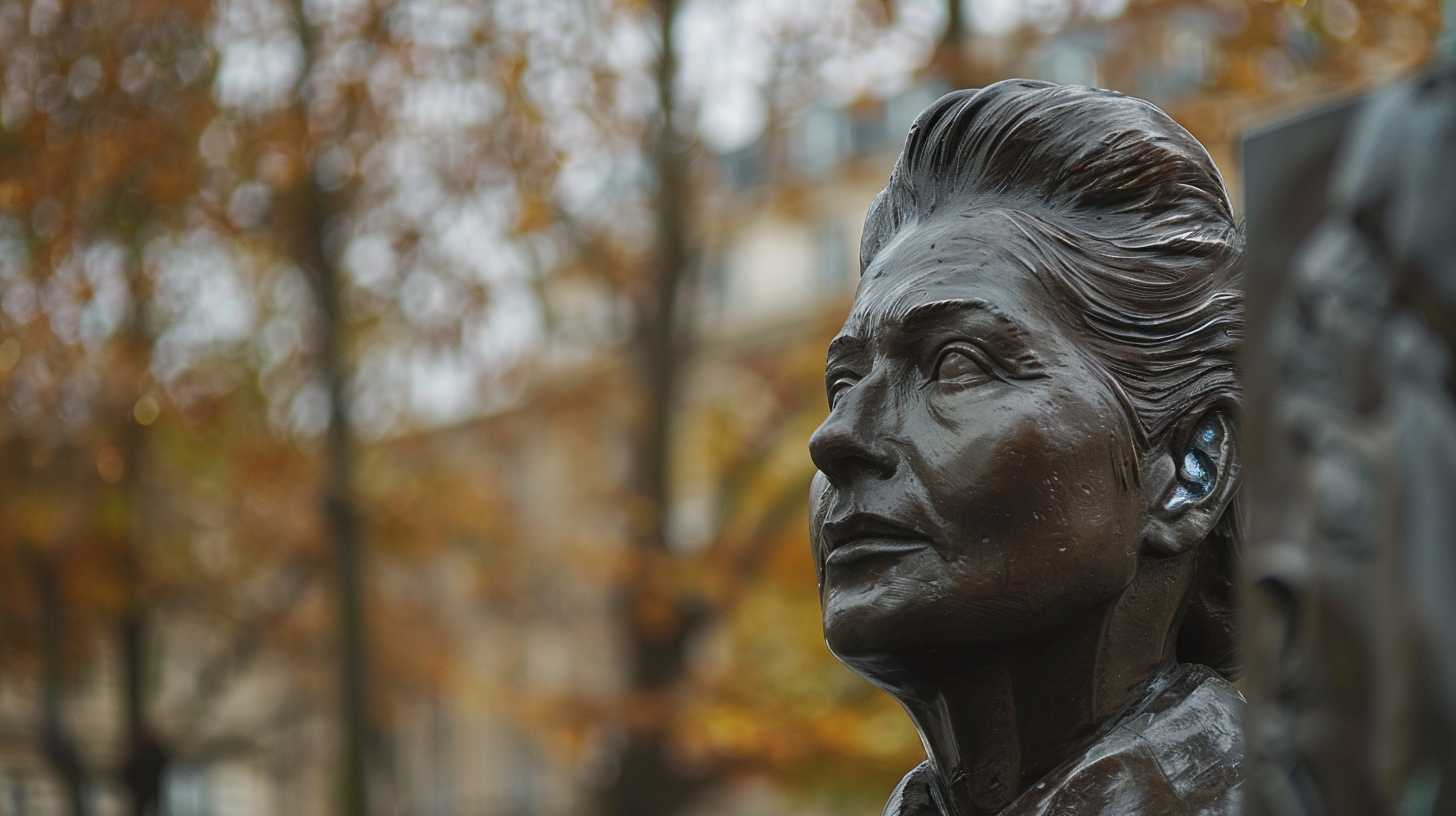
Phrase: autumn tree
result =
(354, 174)
(642, 250)
(160, 203)
(91, 87)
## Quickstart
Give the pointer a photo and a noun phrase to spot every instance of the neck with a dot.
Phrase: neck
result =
(995, 721)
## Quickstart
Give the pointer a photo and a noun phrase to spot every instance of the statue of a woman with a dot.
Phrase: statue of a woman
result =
(1024, 522)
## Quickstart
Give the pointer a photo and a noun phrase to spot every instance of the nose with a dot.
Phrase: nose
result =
(848, 444)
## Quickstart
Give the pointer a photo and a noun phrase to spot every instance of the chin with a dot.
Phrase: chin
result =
(867, 626)
(877, 632)
(875, 655)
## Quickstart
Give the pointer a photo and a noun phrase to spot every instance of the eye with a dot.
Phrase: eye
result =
(957, 365)
(837, 389)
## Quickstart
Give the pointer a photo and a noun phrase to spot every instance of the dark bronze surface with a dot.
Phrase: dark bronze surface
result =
(1023, 522)
(1351, 634)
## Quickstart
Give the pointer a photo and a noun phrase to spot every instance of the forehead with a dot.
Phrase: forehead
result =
(955, 258)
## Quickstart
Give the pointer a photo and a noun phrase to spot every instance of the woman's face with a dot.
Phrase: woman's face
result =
(977, 476)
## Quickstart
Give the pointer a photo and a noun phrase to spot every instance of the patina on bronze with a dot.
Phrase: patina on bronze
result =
(1351, 629)
(1023, 521)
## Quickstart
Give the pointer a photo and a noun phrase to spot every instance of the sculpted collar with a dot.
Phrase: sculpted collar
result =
(1178, 752)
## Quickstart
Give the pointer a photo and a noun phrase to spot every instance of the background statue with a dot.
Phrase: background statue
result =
(1352, 603)
(1023, 521)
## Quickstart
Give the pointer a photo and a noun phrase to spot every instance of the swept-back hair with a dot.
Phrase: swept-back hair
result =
(1125, 218)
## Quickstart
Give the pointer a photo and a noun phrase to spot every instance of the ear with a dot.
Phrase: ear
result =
(1189, 483)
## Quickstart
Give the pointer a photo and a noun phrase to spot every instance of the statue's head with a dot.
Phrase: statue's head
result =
(1033, 402)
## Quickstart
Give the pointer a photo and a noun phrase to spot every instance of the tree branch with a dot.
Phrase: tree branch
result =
(242, 649)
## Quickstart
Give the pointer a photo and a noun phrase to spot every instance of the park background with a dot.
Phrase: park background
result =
(403, 406)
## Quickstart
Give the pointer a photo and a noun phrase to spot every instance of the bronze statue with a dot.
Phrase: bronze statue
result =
(1351, 632)
(1023, 521)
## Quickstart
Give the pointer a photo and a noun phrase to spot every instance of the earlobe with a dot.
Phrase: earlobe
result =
(1189, 485)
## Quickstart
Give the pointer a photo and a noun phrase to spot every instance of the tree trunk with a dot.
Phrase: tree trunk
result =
(146, 754)
(657, 622)
(955, 24)
(144, 770)
(340, 512)
(950, 57)
(57, 743)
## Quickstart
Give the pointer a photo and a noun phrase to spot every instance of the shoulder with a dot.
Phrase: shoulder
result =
(1197, 736)
(1179, 753)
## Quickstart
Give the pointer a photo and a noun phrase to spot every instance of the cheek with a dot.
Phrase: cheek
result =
(1043, 504)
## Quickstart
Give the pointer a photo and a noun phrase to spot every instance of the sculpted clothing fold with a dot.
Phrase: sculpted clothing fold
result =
(1178, 752)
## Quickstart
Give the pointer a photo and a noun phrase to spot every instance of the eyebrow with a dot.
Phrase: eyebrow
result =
(845, 344)
(922, 316)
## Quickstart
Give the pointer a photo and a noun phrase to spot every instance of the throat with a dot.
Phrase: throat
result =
(974, 747)
(996, 724)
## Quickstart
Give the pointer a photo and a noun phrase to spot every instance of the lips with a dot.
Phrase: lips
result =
(865, 536)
